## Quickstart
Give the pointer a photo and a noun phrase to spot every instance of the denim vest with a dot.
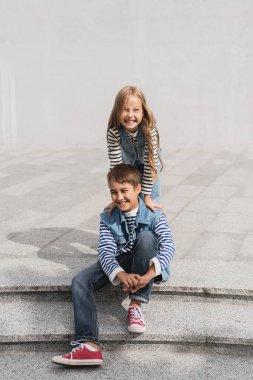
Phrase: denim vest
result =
(145, 221)
(136, 158)
(129, 155)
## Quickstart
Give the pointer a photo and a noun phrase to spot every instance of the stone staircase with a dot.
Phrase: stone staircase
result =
(189, 331)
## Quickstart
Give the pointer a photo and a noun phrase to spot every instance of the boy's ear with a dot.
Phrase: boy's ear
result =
(138, 188)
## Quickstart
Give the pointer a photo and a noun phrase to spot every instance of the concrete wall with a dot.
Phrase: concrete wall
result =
(63, 61)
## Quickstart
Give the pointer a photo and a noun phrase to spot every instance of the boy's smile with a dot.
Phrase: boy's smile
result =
(124, 195)
(132, 113)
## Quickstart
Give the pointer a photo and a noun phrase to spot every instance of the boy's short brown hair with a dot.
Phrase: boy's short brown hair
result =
(124, 173)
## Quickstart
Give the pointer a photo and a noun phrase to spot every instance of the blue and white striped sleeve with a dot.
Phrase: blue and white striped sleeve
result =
(107, 249)
(147, 180)
(113, 147)
(166, 247)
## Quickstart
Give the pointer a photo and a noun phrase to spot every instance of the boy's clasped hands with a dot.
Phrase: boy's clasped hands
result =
(133, 282)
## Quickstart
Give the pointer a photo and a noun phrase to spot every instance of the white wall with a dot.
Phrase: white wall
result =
(63, 61)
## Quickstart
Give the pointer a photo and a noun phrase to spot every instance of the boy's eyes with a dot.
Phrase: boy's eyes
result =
(122, 191)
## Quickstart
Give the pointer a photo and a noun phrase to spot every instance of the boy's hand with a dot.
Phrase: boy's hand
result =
(145, 279)
(129, 280)
(110, 208)
(151, 204)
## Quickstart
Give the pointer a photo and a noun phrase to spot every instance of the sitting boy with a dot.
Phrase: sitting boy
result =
(135, 247)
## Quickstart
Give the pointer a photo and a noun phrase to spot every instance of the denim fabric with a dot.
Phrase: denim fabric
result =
(93, 278)
(145, 221)
(131, 157)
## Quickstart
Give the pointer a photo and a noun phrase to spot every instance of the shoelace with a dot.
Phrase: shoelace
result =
(135, 315)
(78, 347)
(75, 343)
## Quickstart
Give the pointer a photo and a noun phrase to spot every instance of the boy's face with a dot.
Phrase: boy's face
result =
(132, 113)
(124, 195)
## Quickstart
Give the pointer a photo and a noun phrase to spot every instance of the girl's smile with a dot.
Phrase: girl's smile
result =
(132, 113)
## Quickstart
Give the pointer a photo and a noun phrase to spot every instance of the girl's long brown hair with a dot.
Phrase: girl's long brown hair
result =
(148, 122)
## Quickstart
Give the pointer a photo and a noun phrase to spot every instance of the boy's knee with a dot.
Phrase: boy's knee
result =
(79, 281)
(146, 236)
(146, 239)
(75, 282)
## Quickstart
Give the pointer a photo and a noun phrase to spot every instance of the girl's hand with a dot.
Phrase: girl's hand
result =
(151, 204)
(110, 208)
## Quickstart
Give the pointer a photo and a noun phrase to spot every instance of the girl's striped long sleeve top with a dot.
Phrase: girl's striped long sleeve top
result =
(115, 155)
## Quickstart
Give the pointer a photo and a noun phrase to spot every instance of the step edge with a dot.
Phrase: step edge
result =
(126, 338)
(157, 289)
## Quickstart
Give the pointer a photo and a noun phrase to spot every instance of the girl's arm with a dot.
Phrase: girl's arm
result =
(113, 147)
(114, 154)
(150, 203)
(147, 181)
(110, 208)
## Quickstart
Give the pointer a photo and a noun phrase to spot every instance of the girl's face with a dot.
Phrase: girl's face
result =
(132, 113)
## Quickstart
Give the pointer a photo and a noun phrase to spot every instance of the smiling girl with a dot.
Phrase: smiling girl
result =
(132, 138)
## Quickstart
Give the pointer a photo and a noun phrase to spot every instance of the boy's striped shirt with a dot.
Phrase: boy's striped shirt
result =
(130, 224)
(108, 249)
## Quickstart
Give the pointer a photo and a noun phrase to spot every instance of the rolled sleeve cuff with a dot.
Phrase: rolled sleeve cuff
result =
(157, 265)
(113, 276)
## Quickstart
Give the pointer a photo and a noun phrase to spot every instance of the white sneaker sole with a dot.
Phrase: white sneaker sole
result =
(74, 362)
(137, 329)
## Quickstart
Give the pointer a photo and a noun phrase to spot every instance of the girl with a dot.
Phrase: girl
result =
(132, 138)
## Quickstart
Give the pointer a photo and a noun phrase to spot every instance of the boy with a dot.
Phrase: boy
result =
(135, 247)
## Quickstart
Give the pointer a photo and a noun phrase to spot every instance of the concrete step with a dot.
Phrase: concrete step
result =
(216, 277)
(131, 362)
(169, 318)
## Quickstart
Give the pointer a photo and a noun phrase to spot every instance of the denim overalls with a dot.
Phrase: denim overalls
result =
(131, 157)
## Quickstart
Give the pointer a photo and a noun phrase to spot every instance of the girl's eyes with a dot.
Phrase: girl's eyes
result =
(135, 109)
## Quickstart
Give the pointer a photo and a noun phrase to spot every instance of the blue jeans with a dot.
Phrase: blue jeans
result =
(93, 278)
(156, 189)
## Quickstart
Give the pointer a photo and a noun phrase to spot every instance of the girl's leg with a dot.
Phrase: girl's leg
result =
(156, 191)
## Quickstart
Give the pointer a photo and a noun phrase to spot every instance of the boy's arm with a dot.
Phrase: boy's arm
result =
(107, 249)
(166, 247)
(165, 253)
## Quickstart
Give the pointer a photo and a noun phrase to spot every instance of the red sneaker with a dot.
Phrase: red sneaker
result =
(80, 355)
(136, 322)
